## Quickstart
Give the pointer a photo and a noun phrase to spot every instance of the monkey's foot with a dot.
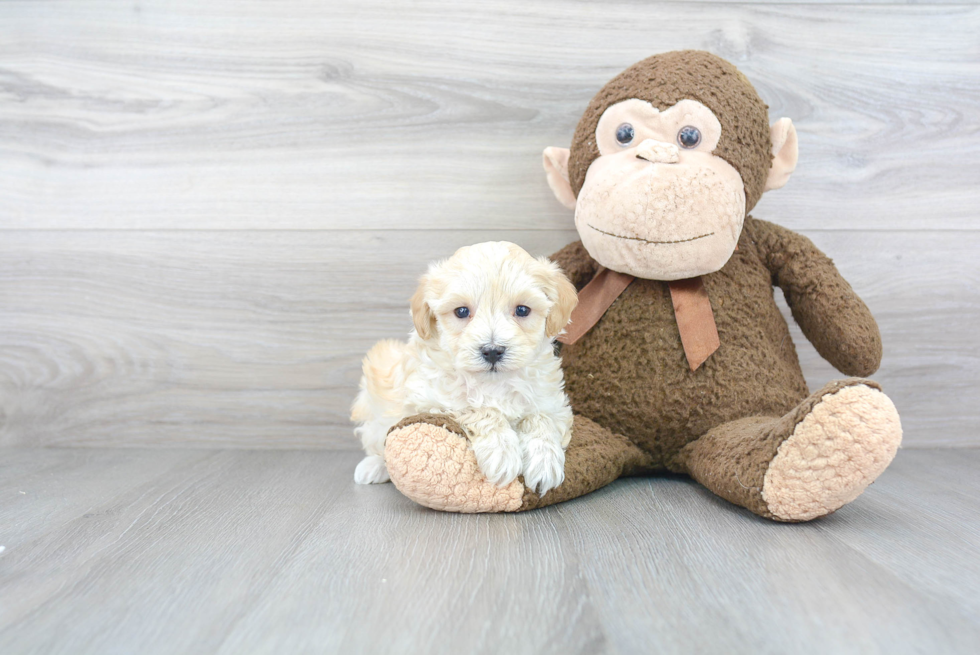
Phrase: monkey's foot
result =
(429, 461)
(846, 440)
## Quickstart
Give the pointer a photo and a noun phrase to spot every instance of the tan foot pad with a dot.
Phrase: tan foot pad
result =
(434, 467)
(842, 445)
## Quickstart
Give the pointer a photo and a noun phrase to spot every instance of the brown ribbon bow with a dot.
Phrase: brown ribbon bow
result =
(692, 311)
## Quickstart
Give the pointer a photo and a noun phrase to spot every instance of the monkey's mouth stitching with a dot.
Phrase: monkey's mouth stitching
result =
(619, 236)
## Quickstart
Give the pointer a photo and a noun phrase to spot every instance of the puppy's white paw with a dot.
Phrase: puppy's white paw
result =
(544, 465)
(499, 456)
(371, 470)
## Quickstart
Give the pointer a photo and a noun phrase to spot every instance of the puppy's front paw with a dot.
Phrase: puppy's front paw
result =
(371, 470)
(499, 456)
(544, 465)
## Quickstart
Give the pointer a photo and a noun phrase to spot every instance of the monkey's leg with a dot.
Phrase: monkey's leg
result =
(430, 462)
(810, 462)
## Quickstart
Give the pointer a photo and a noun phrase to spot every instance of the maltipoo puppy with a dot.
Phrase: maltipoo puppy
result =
(482, 352)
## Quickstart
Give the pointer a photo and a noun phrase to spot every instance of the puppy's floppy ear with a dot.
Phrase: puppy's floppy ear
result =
(562, 293)
(422, 316)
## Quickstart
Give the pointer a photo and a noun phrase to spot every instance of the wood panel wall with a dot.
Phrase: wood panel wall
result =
(210, 210)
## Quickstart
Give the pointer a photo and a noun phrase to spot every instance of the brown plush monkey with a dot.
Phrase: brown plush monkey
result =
(679, 359)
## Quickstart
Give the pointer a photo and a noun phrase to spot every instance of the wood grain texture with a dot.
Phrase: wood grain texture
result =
(255, 339)
(209, 211)
(273, 552)
(42, 490)
(312, 115)
(230, 338)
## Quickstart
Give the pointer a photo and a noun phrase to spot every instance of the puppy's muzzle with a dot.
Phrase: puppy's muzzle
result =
(492, 354)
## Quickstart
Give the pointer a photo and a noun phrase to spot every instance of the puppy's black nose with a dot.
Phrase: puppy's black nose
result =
(492, 354)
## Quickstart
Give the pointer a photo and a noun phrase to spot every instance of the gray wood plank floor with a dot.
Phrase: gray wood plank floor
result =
(236, 551)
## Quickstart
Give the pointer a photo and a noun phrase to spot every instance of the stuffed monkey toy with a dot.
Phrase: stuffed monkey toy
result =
(677, 358)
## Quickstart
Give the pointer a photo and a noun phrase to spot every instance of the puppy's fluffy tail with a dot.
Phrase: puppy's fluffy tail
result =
(380, 381)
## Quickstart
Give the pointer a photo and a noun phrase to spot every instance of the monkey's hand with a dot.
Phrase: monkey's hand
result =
(832, 316)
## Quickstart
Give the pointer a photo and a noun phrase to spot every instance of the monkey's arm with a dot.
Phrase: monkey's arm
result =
(576, 263)
(830, 313)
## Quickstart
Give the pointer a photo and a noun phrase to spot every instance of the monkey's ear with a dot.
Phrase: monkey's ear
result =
(422, 316)
(556, 167)
(785, 151)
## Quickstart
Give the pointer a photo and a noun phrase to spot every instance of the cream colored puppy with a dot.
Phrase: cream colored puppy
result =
(482, 351)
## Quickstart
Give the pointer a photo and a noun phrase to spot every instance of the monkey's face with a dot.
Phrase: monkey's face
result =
(657, 203)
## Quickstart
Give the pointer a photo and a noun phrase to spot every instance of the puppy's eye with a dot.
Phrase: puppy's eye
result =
(624, 134)
(462, 312)
(522, 310)
(689, 137)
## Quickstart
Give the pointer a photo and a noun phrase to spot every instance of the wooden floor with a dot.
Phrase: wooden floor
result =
(236, 551)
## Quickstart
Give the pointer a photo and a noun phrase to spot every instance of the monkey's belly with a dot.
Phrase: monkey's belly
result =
(630, 375)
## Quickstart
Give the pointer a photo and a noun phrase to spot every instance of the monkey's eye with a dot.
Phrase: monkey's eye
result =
(522, 310)
(462, 312)
(689, 137)
(625, 134)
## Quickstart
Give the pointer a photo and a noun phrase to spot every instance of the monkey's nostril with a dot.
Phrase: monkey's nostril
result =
(657, 152)
(492, 354)
(653, 159)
